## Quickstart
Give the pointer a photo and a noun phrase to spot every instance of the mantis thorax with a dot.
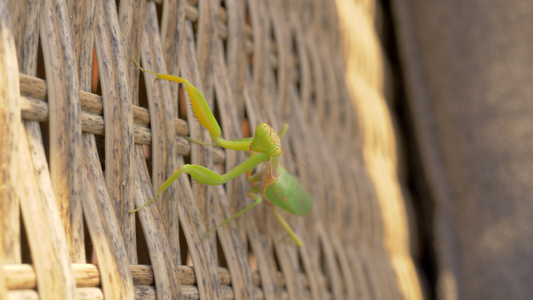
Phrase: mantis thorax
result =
(266, 140)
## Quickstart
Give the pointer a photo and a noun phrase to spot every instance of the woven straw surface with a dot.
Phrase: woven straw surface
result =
(97, 138)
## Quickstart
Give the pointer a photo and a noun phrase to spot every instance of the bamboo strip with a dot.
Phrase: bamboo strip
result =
(35, 89)
(117, 112)
(64, 121)
(233, 246)
(105, 235)
(37, 110)
(10, 132)
(47, 243)
(22, 276)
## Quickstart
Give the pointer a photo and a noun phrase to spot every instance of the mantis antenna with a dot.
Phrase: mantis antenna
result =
(309, 171)
(260, 103)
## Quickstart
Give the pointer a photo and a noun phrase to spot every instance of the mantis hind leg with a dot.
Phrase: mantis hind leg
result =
(285, 225)
(257, 199)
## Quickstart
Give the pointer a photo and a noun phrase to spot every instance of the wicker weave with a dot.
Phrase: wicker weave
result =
(78, 164)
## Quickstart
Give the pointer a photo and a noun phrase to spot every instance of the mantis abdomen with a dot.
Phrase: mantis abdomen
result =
(287, 193)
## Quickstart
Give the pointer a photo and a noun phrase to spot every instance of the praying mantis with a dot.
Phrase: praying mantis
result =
(273, 183)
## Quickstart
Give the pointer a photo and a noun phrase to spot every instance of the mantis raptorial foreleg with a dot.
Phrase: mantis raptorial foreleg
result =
(203, 113)
(206, 176)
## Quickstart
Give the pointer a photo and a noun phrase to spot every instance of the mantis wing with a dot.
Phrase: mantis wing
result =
(287, 193)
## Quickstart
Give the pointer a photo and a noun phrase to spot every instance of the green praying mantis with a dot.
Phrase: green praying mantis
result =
(273, 183)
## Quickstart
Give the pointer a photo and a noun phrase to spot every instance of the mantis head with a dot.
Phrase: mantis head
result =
(266, 140)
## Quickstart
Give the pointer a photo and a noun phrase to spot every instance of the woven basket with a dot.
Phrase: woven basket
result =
(98, 138)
